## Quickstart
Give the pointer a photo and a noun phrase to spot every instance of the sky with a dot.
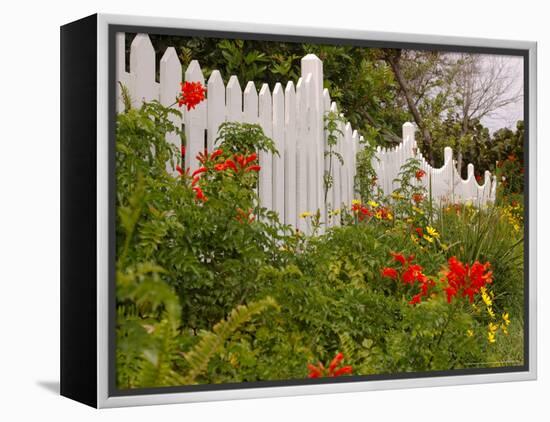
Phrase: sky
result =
(508, 116)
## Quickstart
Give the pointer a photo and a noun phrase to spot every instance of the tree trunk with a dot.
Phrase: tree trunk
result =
(393, 60)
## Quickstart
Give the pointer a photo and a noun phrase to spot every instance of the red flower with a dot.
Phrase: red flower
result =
(420, 174)
(202, 157)
(199, 171)
(332, 370)
(199, 194)
(419, 231)
(195, 180)
(314, 371)
(335, 362)
(230, 164)
(418, 197)
(216, 153)
(413, 273)
(243, 163)
(389, 272)
(344, 370)
(252, 168)
(220, 167)
(183, 150)
(466, 279)
(399, 258)
(416, 299)
(192, 93)
(179, 170)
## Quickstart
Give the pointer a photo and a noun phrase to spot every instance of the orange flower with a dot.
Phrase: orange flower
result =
(319, 370)
(199, 171)
(199, 194)
(192, 93)
(466, 279)
(389, 272)
(420, 174)
(252, 168)
(416, 299)
(418, 197)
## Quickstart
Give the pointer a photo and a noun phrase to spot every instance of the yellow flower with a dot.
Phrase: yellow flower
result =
(490, 312)
(409, 220)
(397, 195)
(389, 216)
(372, 204)
(355, 202)
(305, 214)
(378, 215)
(486, 298)
(506, 318)
(491, 337)
(418, 210)
(493, 327)
(432, 232)
(470, 333)
(414, 238)
(504, 329)
(429, 238)
(335, 212)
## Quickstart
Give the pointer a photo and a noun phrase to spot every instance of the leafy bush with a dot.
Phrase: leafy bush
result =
(212, 288)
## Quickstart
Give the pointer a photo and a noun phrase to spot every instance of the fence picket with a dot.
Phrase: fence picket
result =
(234, 100)
(215, 95)
(250, 108)
(293, 182)
(195, 120)
(142, 67)
(279, 159)
(265, 119)
(170, 79)
(290, 155)
(301, 154)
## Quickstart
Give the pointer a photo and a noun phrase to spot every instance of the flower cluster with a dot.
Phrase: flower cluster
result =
(419, 174)
(370, 209)
(428, 234)
(417, 197)
(245, 216)
(192, 93)
(513, 214)
(466, 280)
(409, 274)
(239, 163)
(334, 369)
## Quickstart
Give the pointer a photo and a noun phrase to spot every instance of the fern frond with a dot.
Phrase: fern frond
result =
(347, 345)
(212, 342)
(126, 98)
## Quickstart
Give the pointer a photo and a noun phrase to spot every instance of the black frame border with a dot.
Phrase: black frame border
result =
(113, 391)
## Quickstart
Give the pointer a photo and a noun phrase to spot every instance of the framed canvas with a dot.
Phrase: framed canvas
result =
(253, 210)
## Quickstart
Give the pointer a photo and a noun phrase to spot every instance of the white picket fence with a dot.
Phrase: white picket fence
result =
(446, 183)
(292, 182)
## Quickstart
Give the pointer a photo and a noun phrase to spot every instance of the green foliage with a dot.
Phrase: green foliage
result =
(219, 291)
(211, 343)
(244, 138)
(333, 121)
(365, 176)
